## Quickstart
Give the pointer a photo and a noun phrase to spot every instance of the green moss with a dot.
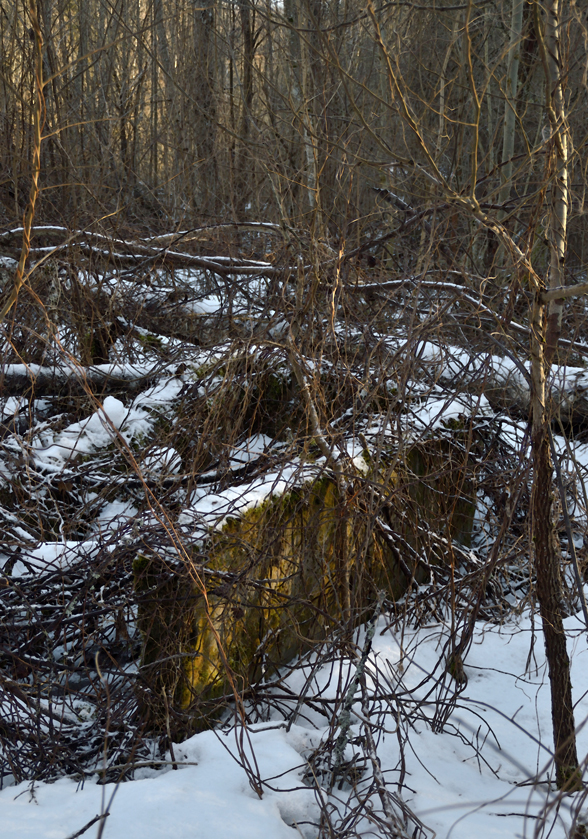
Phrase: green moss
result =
(569, 779)
(455, 423)
(140, 565)
(279, 586)
(150, 341)
(288, 545)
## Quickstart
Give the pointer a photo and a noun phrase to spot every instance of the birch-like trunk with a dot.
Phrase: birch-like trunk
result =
(560, 189)
(546, 329)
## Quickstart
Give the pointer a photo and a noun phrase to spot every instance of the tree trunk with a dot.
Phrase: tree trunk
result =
(547, 569)
(510, 113)
(558, 146)
(544, 340)
(244, 184)
(207, 189)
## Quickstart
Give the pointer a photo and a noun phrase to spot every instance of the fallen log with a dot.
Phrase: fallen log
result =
(17, 379)
(132, 252)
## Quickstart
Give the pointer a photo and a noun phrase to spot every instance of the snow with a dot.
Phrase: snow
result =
(114, 514)
(456, 791)
(53, 556)
(111, 422)
(12, 406)
(205, 306)
(251, 448)
(97, 431)
(435, 413)
(487, 771)
(161, 460)
(211, 509)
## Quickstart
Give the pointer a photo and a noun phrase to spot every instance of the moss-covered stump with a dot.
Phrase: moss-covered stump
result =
(272, 581)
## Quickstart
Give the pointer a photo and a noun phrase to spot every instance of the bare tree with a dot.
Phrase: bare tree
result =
(546, 330)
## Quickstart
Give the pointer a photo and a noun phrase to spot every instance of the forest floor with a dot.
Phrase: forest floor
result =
(200, 398)
(486, 773)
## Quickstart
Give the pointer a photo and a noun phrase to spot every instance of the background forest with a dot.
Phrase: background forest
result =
(294, 351)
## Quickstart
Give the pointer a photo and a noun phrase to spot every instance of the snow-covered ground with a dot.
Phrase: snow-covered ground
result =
(468, 762)
(485, 775)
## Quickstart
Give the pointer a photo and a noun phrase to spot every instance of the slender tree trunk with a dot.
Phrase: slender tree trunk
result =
(558, 142)
(208, 190)
(38, 122)
(294, 57)
(154, 141)
(547, 567)
(545, 337)
(244, 164)
(510, 113)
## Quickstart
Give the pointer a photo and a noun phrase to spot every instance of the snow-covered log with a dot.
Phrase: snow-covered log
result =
(16, 379)
(55, 241)
(505, 381)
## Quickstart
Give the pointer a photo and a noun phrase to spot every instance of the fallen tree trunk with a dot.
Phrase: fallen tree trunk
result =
(16, 379)
(132, 252)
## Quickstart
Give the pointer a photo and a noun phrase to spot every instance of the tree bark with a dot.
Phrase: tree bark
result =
(510, 113)
(549, 595)
(558, 146)
(544, 339)
(546, 331)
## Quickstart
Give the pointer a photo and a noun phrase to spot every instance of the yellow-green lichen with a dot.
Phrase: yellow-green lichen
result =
(276, 575)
